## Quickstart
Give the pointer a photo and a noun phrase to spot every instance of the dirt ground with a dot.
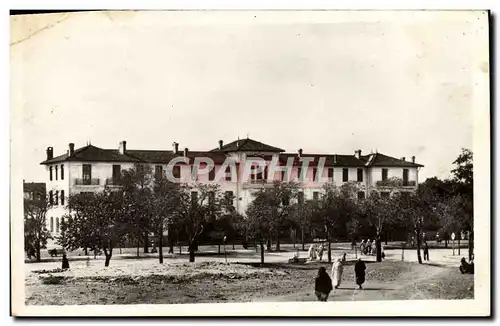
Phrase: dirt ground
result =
(213, 282)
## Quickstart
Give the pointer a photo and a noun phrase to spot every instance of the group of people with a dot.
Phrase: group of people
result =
(324, 284)
(316, 252)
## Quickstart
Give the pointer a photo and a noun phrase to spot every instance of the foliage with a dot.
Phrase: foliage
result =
(36, 234)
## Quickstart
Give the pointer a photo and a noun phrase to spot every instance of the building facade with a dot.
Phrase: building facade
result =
(91, 169)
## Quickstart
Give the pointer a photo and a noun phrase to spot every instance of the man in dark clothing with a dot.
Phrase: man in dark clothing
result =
(359, 270)
(323, 285)
(65, 262)
(426, 251)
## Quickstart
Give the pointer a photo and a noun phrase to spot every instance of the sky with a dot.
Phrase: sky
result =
(400, 84)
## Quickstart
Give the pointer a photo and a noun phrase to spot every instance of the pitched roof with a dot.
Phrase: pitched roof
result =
(330, 159)
(379, 159)
(92, 153)
(247, 145)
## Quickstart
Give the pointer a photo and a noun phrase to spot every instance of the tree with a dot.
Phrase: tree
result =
(259, 221)
(137, 185)
(377, 211)
(161, 204)
(275, 201)
(301, 214)
(195, 207)
(36, 234)
(335, 205)
(96, 220)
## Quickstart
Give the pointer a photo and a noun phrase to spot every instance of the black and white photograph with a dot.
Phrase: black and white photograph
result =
(250, 163)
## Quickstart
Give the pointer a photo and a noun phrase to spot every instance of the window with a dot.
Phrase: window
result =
(158, 172)
(265, 173)
(57, 224)
(51, 200)
(50, 173)
(384, 194)
(211, 198)
(360, 175)
(117, 172)
(51, 224)
(87, 174)
(345, 175)
(211, 174)
(300, 197)
(194, 198)
(62, 171)
(228, 174)
(56, 171)
(330, 174)
(405, 177)
(361, 195)
(384, 174)
(299, 172)
(315, 171)
(56, 201)
(229, 197)
(62, 197)
(315, 195)
(176, 171)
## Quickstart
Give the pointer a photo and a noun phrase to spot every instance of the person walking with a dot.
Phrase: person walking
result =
(362, 246)
(323, 285)
(426, 251)
(337, 270)
(311, 253)
(65, 262)
(359, 270)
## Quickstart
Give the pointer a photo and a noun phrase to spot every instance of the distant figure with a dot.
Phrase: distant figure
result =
(320, 252)
(368, 247)
(311, 253)
(362, 246)
(344, 259)
(337, 270)
(465, 267)
(359, 270)
(353, 243)
(323, 285)
(374, 247)
(437, 238)
(426, 251)
(382, 253)
(87, 262)
(65, 262)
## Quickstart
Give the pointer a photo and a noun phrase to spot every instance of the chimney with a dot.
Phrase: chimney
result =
(186, 151)
(300, 152)
(403, 158)
(71, 149)
(50, 153)
(175, 147)
(413, 159)
(221, 143)
(123, 147)
(357, 153)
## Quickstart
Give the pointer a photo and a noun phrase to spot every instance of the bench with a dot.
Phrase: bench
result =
(55, 252)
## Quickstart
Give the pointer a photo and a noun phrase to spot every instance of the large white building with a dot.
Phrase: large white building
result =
(89, 169)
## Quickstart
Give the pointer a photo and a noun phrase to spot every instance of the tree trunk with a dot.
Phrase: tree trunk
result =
(446, 243)
(278, 242)
(146, 243)
(191, 256)
(459, 236)
(170, 240)
(378, 245)
(219, 250)
(233, 245)
(303, 236)
(261, 253)
(269, 244)
(38, 253)
(108, 256)
(160, 246)
(138, 247)
(471, 245)
(85, 251)
(329, 243)
(417, 231)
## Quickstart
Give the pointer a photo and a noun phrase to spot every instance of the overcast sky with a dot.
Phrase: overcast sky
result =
(328, 84)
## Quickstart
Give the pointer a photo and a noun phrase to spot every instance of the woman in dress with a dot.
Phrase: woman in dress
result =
(337, 270)
(359, 270)
(323, 285)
